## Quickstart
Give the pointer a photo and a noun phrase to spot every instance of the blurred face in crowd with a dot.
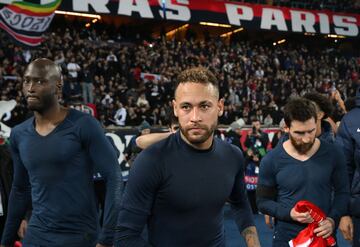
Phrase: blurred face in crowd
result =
(302, 135)
(197, 107)
(41, 85)
(145, 131)
(256, 125)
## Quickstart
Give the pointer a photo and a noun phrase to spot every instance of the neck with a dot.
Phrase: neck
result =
(201, 146)
(318, 128)
(291, 150)
(52, 115)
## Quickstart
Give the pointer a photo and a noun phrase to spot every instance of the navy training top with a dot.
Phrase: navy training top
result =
(314, 180)
(348, 137)
(180, 192)
(57, 169)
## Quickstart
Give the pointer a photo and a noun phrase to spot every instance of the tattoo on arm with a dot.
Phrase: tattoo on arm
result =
(251, 237)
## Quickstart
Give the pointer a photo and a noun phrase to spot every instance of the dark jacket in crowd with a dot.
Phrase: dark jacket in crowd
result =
(348, 136)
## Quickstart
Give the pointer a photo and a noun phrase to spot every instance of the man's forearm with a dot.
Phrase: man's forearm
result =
(251, 237)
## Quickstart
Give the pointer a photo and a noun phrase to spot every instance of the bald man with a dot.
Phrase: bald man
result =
(55, 153)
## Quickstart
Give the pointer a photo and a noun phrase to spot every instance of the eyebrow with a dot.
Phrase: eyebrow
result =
(200, 103)
(306, 131)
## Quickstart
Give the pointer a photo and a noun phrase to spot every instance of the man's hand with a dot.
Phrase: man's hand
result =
(269, 221)
(22, 229)
(251, 237)
(301, 217)
(347, 228)
(325, 228)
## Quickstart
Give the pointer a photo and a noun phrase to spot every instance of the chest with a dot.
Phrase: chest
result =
(201, 182)
(41, 154)
(294, 175)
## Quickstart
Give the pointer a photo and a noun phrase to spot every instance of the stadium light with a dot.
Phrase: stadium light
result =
(214, 24)
(224, 35)
(60, 12)
(279, 42)
(335, 36)
(172, 32)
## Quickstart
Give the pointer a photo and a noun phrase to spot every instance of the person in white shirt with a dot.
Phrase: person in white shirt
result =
(73, 69)
(120, 115)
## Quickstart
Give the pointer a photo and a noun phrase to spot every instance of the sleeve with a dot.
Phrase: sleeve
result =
(344, 140)
(238, 199)
(20, 196)
(341, 188)
(347, 143)
(267, 190)
(144, 181)
(103, 157)
(355, 198)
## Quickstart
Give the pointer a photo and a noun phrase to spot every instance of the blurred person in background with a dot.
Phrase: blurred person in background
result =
(132, 149)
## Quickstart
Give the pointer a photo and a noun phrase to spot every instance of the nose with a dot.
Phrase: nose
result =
(306, 138)
(29, 87)
(195, 115)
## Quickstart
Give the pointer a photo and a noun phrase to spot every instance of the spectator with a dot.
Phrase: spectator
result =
(256, 138)
(233, 135)
(132, 149)
(120, 115)
(88, 83)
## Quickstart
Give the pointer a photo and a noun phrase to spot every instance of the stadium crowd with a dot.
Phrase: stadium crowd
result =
(130, 80)
(349, 6)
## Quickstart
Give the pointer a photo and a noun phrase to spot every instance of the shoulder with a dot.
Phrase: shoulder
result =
(81, 119)
(331, 148)
(21, 128)
(223, 146)
(152, 158)
(163, 147)
(352, 116)
(271, 156)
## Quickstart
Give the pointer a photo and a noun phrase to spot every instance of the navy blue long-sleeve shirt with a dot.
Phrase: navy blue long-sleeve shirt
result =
(180, 192)
(314, 180)
(56, 171)
(348, 137)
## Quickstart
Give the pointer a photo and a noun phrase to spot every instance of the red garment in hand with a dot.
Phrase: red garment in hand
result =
(17, 244)
(307, 237)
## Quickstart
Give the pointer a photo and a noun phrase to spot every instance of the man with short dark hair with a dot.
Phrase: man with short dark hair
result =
(325, 109)
(184, 180)
(302, 168)
(55, 153)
